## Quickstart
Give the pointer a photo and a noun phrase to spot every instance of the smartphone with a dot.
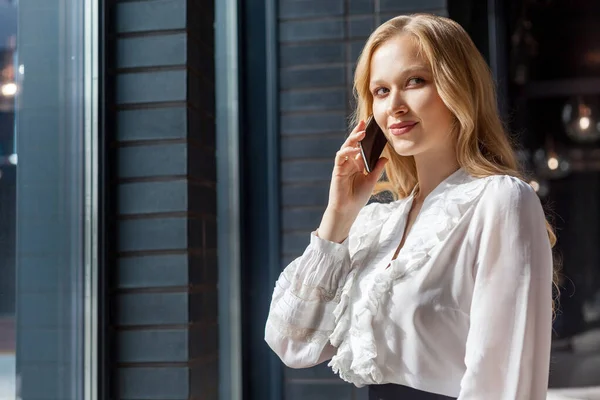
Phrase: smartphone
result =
(372, 145)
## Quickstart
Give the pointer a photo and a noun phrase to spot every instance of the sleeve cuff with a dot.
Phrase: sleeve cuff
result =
(337, 250)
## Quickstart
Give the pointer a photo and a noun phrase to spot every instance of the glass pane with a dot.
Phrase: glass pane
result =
(555, 106)
(8, 34)
(41, 199)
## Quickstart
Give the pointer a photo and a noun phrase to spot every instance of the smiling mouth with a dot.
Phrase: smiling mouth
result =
(402, 128)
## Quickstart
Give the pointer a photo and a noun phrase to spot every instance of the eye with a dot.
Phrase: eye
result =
(380, 91)
(415, 81)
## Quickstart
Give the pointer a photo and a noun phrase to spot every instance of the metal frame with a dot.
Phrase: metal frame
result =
(273, 178)
(228, 198)
(247, 90)
(91, 50)
(259, 151)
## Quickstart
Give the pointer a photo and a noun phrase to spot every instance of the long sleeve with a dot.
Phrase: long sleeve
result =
(508, 346)
(301, 314)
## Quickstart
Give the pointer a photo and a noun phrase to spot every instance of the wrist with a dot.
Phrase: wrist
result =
(335, 226)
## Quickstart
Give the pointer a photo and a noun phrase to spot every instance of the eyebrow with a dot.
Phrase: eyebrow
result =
(406, 71)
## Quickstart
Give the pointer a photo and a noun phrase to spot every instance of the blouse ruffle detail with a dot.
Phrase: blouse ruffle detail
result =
(353, 336)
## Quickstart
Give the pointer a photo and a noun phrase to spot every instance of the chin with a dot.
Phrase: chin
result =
(404, 150)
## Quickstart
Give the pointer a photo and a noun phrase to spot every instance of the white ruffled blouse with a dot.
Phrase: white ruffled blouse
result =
(464, 310)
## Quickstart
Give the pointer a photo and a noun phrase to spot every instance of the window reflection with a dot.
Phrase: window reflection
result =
(8, 92)
(552, 81)
(41, 197)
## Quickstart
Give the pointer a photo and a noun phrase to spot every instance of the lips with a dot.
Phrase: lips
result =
(401, 128)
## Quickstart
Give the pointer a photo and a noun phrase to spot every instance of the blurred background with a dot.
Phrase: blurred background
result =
(8, 91)
(164, 120)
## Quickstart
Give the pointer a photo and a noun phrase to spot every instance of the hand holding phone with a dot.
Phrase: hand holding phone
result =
(350, 187)
(372, 144)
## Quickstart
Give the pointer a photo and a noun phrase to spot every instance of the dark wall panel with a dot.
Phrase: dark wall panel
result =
(164, 277)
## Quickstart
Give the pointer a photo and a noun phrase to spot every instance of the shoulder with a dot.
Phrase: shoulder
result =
(504, 194)
(465, 190)
(505, 189)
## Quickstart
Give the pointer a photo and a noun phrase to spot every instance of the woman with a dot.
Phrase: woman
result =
(447, 291)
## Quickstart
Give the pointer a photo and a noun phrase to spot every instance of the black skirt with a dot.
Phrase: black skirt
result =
(399, 392)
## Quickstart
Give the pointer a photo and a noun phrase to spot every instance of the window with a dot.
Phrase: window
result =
(45, 188)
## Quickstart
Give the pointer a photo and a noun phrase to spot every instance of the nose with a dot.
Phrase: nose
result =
(396, 104)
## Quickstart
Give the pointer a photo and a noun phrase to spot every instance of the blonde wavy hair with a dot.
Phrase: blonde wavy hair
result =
(464, 83)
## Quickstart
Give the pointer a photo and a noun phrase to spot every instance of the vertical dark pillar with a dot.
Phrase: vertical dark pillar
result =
(260, 193)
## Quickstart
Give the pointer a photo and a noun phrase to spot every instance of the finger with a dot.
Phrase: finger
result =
(354, 139)
(346, 155)
(356, 135)
(359, 161)
(378, 170)
(359, 127)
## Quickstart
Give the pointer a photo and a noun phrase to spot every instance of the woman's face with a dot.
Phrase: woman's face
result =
(406, 104)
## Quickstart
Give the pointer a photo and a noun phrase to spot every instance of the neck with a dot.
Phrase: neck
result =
(432, 169)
